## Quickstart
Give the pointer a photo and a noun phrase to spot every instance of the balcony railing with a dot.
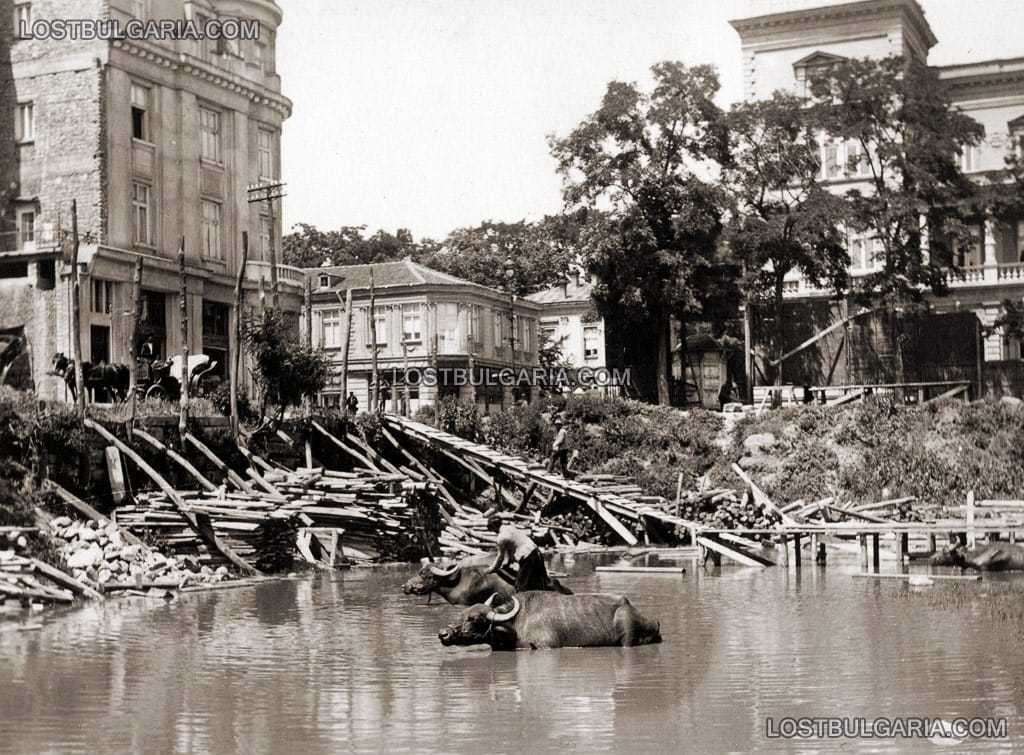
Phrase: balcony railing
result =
(286, 274)
(974, 276)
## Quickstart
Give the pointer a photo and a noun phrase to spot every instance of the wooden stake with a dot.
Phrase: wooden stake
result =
(133, 343)
(405, 378)
(875, 552)
(76, 315)
(235, 366)
(273, 253)
(970, 519)
(863, 552)
(206, 532)
(307, 303)
(183, 310)
(346, 343)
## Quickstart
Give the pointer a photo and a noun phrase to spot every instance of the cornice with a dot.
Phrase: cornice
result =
(187, 64)
(841, 12)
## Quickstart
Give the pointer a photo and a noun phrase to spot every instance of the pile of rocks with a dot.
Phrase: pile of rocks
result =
(98, 555)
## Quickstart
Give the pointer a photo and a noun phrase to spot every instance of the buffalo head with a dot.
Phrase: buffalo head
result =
(430, 578)
(950, 557)
(483, 624)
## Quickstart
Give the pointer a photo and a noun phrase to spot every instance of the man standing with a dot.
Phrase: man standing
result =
(559, 449)
(352, 403)
(515, 547)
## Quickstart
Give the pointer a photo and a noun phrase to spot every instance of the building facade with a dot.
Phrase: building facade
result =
(778, 51)
(424, 322)
(156, 141)
(570, 321)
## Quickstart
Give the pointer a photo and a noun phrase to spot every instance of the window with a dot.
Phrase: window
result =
(141, 215)
(864, 252)
(209, 134)
(259, 54)
(102, 294)
(591, 342)
(856, 160)
(216, 319)
(27, 229)
(380, 325)
(99, 344)
(22, 20)
(139, 9)
(211, 230)
(832, 161)
(265, 149)
(499, 329)
(412, 320)
(204, 43)
(24, 122)
(140, 112)
(474, 324)
(330, 328)
(266, 235)
(970, 158)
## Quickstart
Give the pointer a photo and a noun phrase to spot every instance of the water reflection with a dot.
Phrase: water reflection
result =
(347, 662)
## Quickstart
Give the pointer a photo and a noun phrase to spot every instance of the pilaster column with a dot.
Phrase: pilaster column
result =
(991, 265)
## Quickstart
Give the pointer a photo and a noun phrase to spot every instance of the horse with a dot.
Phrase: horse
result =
(115, 379)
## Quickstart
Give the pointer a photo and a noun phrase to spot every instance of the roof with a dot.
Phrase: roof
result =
(567, 292)
(404, 272)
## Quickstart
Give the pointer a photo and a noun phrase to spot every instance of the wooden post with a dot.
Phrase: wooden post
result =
(76, 315)
(931, 542)
(748, 354)
(375, 377)
(345, 344)
(133, 343)
(783, 549)
(796, 551)
(863, 552)
(875, 552)
(183, 310)
(273, 252)
(904, 538)
(235, 361)
(307, 303)
(679, 493)
(970, 519)
(405, 378)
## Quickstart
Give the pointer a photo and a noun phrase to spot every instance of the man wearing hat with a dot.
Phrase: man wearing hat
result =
(559, 449)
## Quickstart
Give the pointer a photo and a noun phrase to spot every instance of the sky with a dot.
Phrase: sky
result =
(434, 114)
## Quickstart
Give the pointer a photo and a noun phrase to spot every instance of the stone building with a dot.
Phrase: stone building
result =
(155, 139)
(780, 48)
(422, 318)
(570, 320)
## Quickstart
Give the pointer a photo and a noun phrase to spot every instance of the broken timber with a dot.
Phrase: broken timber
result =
(605, 505)
(203, 529)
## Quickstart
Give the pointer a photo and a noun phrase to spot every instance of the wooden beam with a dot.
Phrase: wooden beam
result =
(205, 533)
(82, 507)
(175, 457)
(233, 477)
(344, 447)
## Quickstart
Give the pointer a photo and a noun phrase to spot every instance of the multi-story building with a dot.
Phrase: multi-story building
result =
(779, 49)
(156, 140)
(570, 321)
(424, 322)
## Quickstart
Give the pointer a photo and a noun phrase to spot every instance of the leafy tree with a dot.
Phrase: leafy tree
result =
(655, 219)
(541, 253)
(1011, 319)
(286, 371)
(308, 246)
(909, 137)
(783, 218)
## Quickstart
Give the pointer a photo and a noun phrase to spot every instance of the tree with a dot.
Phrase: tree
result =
(783, 218)
(310, 247)
(541, 252)
(637, 164)
(286, 371)
(909, 137)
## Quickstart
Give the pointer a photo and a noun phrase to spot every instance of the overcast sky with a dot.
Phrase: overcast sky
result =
(433, 114)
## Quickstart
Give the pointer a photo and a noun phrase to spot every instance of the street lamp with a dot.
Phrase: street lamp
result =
(510, 274)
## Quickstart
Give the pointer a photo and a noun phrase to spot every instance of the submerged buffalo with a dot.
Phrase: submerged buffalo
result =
(992, 557)
(542, 619)
(467, 582)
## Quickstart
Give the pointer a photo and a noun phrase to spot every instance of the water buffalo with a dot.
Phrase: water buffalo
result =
(467, 582)
(992, 557)
(463, 583)
(115, 379)
(542, 619)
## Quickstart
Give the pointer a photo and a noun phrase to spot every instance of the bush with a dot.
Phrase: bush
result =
(459, 417)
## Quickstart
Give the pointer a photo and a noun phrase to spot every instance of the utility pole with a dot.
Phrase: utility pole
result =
(185, 376)
(375, 389)
(136, 315)
(76, 315)
(235, 361)
(269, 193)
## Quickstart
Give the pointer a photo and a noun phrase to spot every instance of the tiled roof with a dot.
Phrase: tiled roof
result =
(404, 272)
(568, 292)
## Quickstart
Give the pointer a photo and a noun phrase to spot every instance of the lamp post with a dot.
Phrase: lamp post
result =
(510, 274)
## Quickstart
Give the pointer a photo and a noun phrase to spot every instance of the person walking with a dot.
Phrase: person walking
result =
(559, 448)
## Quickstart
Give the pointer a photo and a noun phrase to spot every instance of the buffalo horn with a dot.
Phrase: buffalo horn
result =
(444, 572)
(494, 616)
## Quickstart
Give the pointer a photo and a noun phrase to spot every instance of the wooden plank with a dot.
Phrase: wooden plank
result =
(205, 533)
(77, 503)
(67, 580)
(344, 447)
(956, 577)
(174, 456)
(731, 553)
(231, 474)
(761, 496)
(115, 473)
(642, 569)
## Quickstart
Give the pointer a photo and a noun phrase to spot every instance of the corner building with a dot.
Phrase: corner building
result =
(156, 140)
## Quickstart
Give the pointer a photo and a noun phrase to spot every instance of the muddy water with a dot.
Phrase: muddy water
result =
(349, 664)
